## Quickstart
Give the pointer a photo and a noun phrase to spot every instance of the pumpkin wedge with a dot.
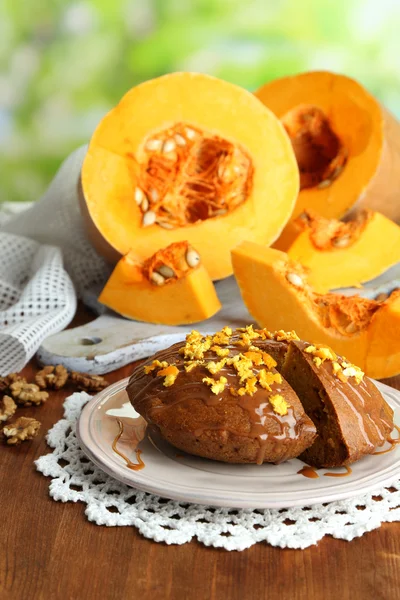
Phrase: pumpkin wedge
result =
(345, 253)
(277, 294)
(383, 356)
(346, 144)
(171, 288)
(188, 157)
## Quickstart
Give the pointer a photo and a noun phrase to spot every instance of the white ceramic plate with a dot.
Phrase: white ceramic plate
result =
(173, 474)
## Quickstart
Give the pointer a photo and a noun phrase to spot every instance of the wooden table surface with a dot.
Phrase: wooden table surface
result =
(50, 551)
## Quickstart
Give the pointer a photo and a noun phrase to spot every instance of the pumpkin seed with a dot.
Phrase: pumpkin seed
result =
(192, 258)
(168, 146)
(139, 196)
(337, 171)
(295, 279)
(153, 195)
(351, 328)
(165, 271)
(153, 145)
(324, 184)
(145, 204)
(179, 139)
(157, 278)
(165, 225)
(382, 297)
(220, 212)
(149, 218)
(190, 133)
(341, 242)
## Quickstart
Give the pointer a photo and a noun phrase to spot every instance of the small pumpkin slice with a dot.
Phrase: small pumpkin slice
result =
(189, 157)
(277, 294)
(347, 145)
(170, 288)
(345, 254)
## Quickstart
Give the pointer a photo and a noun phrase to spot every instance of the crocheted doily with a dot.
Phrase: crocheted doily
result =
(109, 502)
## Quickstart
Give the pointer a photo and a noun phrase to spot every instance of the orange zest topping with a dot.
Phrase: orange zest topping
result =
(268, 378)
(217, 386)
(342, 370)
(246, 365)
(155, 365)
(279, 404)
(221, 352)
(170, 373)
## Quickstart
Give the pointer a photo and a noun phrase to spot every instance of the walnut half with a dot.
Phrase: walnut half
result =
(52, 377)
(5, 382)
(89, 383)
(22, 429)
(7, 408)
(27, 394)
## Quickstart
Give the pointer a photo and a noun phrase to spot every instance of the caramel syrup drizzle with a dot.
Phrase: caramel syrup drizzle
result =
(393, 443)
(348, 472)
(312, 472)
(309, 472)
(134, 466)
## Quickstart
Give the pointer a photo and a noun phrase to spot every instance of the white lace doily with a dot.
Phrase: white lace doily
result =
(109, 502)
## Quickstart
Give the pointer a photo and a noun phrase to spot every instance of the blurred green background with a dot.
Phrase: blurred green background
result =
(64, 64)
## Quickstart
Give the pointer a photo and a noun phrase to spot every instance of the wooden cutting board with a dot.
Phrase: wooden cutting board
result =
(110, 341)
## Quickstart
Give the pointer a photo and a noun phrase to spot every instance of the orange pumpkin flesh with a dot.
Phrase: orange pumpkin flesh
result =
(164, 290)
(188, 157)
(344, 254)
(346, 144)
(383, 356)
(277, 295)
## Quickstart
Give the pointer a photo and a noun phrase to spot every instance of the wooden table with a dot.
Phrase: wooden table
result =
(50, 551)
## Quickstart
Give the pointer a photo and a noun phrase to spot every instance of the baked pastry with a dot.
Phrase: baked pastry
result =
(351, 416)
(220, 397)
(251, 396)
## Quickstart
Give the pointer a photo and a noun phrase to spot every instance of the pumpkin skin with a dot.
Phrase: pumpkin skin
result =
(229, 122)
(137, 291)
(368, 173)
(346, 254)
(276, 293)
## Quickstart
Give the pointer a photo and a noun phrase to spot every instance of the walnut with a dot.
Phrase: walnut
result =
(5, 382)
(7, 408)
(22, 429)
(89, 383)
(52, 377)
(27, 394)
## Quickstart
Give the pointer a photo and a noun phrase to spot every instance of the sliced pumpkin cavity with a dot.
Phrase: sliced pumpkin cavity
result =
(187, 175)
(328, 234)
(342, 254)
(277, 294)
(172, 287)
(172, 262)
(320, 154)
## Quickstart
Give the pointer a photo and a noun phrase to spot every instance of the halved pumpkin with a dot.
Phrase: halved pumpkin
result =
(171, 288)
(345, 253)
(276, 293)
(347, 145)
(188, 157)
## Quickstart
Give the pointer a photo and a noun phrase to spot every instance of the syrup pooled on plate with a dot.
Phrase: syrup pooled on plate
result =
(131, 465)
